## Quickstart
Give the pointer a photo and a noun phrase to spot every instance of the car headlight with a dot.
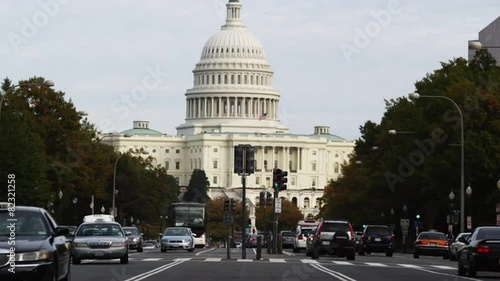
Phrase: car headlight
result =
(34, 256)
(118, 244)
(136, 239)
(186, 240)
(79, 245)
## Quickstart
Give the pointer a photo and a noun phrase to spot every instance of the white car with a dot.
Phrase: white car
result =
(457, 245)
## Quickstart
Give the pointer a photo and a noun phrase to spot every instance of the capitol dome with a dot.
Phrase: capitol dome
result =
(232, 89)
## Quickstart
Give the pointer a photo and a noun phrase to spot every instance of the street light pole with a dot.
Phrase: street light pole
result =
(462, 156)
(113, 208)
(60, 205)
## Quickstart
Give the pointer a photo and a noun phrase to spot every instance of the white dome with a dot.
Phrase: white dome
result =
(233, 43)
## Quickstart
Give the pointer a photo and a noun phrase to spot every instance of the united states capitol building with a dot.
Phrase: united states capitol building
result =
(233, 102)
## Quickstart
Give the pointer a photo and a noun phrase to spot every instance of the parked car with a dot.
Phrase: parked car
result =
(481, 251)
(377, 238)
(177, 238)
(135, 239)
(334, 237)
(42, 250)
(431, 243)
(457, 245)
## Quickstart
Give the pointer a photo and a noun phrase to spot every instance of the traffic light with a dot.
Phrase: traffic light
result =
(232, 205)
(250, 160)
(238, 159)
(279, 179)
(226, 205)
(417, 216)
(249, 223)
(262, 198)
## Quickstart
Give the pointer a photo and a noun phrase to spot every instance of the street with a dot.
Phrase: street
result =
(211, 264)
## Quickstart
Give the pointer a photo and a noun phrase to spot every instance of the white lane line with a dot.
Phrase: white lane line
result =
(376, 264)
(455, 277)
(409, 265)
(156, 270)
(151, 259)
(288, 254)
(443, 267)
(277, 260)
(197, 254)
(342, 263)
(213, 259)
(309, 261)
(242, 260)
(333, 273)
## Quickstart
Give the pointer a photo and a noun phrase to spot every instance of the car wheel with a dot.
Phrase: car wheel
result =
(163, 250)
(308, 253)
(361, 252)
(461, 269)
(296, 250)
(388, 254)
(190, 250)
(351, 256)
(77, 261)
(446, 257)
(471, 271)
(415, 255)
(124, 259)
(315, 253)
(453, 257)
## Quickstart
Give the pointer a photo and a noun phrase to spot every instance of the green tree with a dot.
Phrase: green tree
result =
(287, 219)
(198, 187)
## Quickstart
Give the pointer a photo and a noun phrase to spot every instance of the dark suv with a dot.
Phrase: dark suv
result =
(333, 237)
(377, 239)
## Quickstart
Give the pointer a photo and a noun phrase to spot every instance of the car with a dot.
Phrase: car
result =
(100, 240)
(287, 239)
(177, 238)
(457, 245)
(431, 243)
(376, 238)
(71, 233)
(301, 232)
(481, 251)
(135, 240)
(334, 237)
(32, 245)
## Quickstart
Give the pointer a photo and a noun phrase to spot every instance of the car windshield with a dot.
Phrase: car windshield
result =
(378, 230)
(432, 236)
(100, 229)
(304, 231)
(133, 231)
(488, 233)
(26, 224)
(176, 232)
(72, 230)
(335, 226)
(465, 236)
(287, 234)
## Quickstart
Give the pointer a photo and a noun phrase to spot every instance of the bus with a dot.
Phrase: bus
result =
(192, 215)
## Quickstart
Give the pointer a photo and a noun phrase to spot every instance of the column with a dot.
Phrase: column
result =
(283, 158)
(205, 109)
(273, 157)
(250, 107)
(212, 105)
(277, 109)
(198, 114)
(220, 107)
(243, 107)
(299, 162)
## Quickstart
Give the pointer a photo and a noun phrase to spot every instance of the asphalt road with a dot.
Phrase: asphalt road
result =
(211, 264)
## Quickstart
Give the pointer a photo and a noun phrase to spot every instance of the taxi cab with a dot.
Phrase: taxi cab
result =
(100, 237)
(431, 243)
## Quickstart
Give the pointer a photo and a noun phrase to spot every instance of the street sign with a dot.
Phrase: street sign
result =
(405, 223)
(278, 205)
(469, 222)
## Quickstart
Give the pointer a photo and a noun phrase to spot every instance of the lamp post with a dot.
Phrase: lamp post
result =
(462, 155)
(497, 207)
(103, 209)
(75, 200)
(161, 225)
(131, 221)
(404, 227)
(394, 132)
(476, 45)
(46, 83)
(60, 195)
(451, 219)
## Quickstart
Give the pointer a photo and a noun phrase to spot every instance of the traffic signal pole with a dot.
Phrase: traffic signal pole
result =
(275, 224)
(243, 212)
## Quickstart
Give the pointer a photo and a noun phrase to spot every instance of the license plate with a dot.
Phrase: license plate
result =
(325, 242)
(378, 239)
(99, 254)
(433, 244)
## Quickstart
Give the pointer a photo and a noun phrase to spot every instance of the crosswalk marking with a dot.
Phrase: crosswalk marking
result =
(152, 259)
(342, 263)
(213, 259)
(309, 261)
(443, 267)
(241, 260)
(376, 264)
(409, 265)
(277, 260)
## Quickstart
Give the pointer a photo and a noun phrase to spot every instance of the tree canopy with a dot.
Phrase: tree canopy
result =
(420, 165)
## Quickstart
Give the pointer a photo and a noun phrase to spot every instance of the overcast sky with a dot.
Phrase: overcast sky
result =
(99, 51)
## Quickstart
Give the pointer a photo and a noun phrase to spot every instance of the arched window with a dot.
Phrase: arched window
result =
(318, 203)
(265, 164)
(276, 164)
(294, 201)
(307, 203)
(336, 168)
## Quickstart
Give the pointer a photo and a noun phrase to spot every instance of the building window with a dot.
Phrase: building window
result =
(177, 151)
(167, 150)
(292, 181)
(276, 164)
(177, 179)
(215, 164)
(290, 165)
(314, 167)
(257, 180)
(191, 164)
(314, 152)
(313, 184)
(177, 165)
(167, 165)
(214, 180)
(154, 150)
(336, 168)
(318, 203)
(215, 150)
(265, 165)
(275, 151)
(307, 203)
(294, 201)
(268, 181)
